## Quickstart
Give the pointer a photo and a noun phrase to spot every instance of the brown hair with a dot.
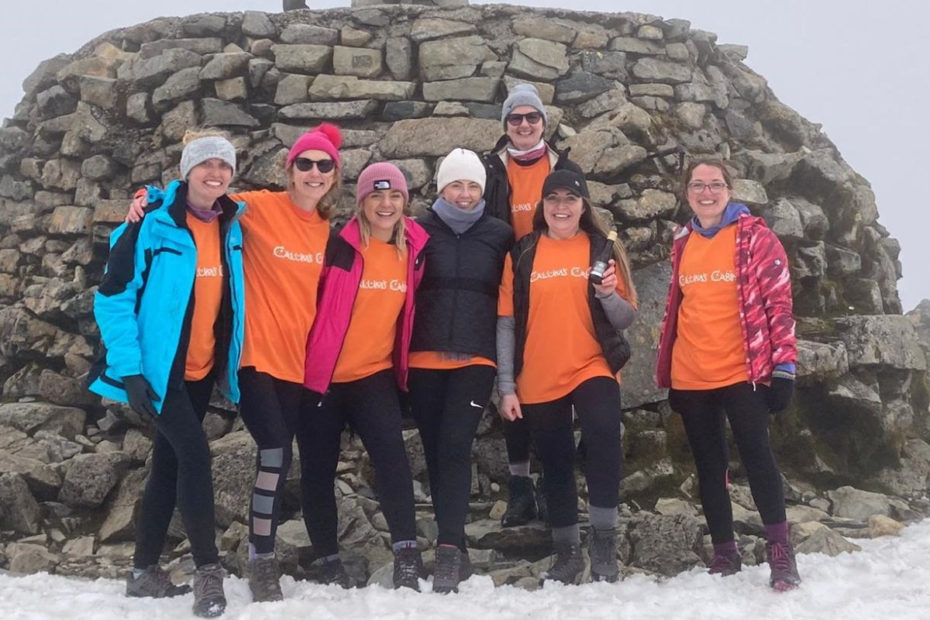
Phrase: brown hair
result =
(714, 162)
(592, 224)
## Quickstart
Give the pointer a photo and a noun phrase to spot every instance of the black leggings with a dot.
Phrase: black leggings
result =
(447, 406)
(517, 438)
(702, 412)
(269, 408)
(597, 404)
(180, 476)
(371, 408)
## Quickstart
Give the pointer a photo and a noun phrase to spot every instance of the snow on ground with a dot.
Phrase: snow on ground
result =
(889, 579)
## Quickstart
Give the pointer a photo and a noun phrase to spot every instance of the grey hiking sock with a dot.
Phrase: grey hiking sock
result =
(569, 535)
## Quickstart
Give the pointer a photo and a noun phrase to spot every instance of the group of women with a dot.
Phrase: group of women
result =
(312, 330)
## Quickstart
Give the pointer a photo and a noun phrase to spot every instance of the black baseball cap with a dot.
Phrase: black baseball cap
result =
(568, 180)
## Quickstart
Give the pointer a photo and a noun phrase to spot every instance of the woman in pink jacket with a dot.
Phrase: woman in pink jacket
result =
(357, 359)
(727, 352)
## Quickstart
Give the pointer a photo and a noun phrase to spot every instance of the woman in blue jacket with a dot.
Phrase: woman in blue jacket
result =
(169, 310)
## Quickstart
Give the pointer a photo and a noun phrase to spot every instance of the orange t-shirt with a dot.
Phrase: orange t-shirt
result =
(282, 256)
(708, 351)
(369, 341)
(561, 350)
(208, 295)
(525, 192)
(434, 360)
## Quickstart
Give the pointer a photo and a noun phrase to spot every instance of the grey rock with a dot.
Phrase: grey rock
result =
(33, 417)
(784, 220)
(309, 59)
(233, 89)
(233, 476)
(609, 64)
(147, 73)
(173, 125)
(343, 87)
(178, 86)
(452, 58)
(635, 45)
(336, 111)
(99, 91)
(136, 107)
(559, 30)
(398, 55)
(580, 86)
(225, 65)
(852, 503)
(293, 88)
(427, 28)
(118, 525)
(435, 137)
(819, 361)
(650, 69)
(638, 375)
(691, 114)
(361, 62)
(399, 110)
(258, 24)
(200, 25)
(225, 114)
(91, 477)
(19, 510)
(354, 37)
(539, 59)
(27, 559)
(197, 45)
(886, 340)
(467, 89)
(666, 545)
(842, 262)
(604, 153)
(310, 33)
(55, 101)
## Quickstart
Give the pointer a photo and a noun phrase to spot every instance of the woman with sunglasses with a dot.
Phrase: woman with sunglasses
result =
(727, 350)
(559, 348)
(170, 312)
(357, 359)
(516, 169)
(284, 241)
(452, 360)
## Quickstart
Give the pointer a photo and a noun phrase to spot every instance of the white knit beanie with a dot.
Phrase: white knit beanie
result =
(209, 147)
(461, 165)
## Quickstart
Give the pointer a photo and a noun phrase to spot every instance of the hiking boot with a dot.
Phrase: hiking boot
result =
(265, 580)
(725, 563)
(154, 583)
(329, 572)
(452, 568)
(521, 507)
(568, 565)
(408, 568)
(209, 598)
(784, 575)
(602, 549)
(539, 494)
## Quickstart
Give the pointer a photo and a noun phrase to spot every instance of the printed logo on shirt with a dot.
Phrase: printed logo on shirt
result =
(564, 272)
(384, 285)
(714, 276)
(210, 272)
(297, 257)
(523, 207)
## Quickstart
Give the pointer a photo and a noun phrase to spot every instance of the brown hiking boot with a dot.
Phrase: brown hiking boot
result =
(209, 597)
(265, 580)
(153, 583)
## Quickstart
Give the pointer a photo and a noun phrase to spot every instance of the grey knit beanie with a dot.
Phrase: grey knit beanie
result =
(209, 147)
(523, 94)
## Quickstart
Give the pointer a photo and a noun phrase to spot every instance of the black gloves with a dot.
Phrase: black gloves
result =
(141, 395)
(779, 394)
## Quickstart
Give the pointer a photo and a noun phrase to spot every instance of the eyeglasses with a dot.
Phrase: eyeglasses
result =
(323, 165)
(697, 187)
(517, 119)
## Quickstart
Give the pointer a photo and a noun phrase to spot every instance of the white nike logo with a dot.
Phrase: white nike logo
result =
(474, 404)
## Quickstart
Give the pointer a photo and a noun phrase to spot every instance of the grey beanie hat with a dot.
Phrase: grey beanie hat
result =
(523, 94)
(209, 147)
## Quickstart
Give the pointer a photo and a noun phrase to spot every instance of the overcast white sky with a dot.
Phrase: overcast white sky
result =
(858, 67)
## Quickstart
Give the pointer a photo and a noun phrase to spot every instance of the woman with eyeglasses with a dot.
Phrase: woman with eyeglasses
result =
(453, 354)
(516, 169)
(559, 348)
(357, 358)
(727, 352)
(285, 234)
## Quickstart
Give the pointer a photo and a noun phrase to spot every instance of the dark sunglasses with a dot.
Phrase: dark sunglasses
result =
(323, 165)
(532, 118)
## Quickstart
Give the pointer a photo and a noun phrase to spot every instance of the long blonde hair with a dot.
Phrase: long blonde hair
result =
(398, 238)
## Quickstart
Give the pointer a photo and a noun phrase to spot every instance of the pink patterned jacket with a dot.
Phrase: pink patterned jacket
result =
(764, 288)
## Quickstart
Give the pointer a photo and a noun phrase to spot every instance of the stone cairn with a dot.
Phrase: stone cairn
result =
(407, 83)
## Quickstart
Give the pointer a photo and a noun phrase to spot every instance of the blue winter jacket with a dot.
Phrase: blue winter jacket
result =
(143, 305)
